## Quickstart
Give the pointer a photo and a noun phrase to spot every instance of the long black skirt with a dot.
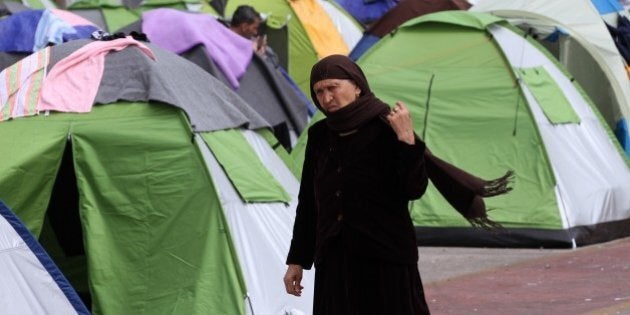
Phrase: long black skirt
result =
(347, 284)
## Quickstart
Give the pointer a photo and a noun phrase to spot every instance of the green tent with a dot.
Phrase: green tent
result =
(155, 207)
(487, 98)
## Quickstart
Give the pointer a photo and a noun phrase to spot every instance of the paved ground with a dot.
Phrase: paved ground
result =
(589, 280)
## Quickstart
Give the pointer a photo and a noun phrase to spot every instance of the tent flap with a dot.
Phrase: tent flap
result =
(249, 176)
(549, 96)
(147, 204)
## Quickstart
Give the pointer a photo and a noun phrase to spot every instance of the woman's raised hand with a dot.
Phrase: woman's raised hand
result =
(400, 120)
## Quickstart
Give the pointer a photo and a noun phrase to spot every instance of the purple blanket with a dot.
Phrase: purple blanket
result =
(178, 31)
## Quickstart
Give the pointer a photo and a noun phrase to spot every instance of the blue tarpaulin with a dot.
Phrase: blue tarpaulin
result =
(607, 6)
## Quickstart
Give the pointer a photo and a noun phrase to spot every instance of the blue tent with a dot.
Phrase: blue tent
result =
(367, 11)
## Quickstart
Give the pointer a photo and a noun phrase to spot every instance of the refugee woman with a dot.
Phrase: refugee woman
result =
(363, 164)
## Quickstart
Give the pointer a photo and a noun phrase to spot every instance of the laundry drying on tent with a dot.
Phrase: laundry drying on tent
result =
(583, 45)
(31, 30)
(486, 98)
(230, 58)
(167, 193)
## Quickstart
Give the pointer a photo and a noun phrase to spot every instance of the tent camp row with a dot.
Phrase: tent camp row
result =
(300, 32)
(487, 97)
(166, 196)
(177, 197)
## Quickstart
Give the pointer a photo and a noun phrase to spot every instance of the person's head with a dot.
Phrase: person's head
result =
(337, 81)
(245, 21)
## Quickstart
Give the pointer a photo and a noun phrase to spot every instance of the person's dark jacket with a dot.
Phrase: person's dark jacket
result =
(356, 189)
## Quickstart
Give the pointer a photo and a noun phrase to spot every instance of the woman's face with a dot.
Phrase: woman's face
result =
(334, 94)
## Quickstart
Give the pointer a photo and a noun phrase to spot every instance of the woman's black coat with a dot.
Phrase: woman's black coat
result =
(356, 189)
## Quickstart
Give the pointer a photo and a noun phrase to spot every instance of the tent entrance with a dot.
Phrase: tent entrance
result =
(62, 235)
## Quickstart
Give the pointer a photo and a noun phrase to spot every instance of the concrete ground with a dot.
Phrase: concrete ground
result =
(588, 280)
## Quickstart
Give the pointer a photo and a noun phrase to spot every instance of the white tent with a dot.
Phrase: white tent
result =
(588, 53)
(261, 233)
(31, 282)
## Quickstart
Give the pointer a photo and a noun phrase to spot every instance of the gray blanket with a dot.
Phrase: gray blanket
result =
(131, 75)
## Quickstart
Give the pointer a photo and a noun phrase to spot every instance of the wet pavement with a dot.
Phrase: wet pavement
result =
(588, 280)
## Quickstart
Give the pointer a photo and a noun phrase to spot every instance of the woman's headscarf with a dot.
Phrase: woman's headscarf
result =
(463, 191)
(363, 109)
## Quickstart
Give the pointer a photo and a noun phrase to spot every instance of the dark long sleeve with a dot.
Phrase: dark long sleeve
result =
(302, 250)
(412, 169)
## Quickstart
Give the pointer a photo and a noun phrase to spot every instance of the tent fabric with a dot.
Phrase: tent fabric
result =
(367, 12)
(408, 9)
(197, 254)
(124, 154)
(350, 30)
(476, 111)
(548, 95)
(589, 53)
(256, 227)
(319, 28)
(173, 81)
(8, 59)
(250, 178)
(31, 282)
(155, 228)
(396, 16)
(11, 7)
(270, 93)
(579, 180)
(621, 37)
(367, 41)
(622, 134)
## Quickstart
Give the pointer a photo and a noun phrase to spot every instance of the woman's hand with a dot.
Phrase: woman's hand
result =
(400, 120)
(292, 280)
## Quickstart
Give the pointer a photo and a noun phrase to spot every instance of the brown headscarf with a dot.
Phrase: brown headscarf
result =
(363, 109)
(461, 189)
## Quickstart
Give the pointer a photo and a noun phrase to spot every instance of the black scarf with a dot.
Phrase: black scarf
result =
(355, 114)
(463, 191)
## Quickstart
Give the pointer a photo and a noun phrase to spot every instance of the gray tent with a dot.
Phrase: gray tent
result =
(263, 86)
